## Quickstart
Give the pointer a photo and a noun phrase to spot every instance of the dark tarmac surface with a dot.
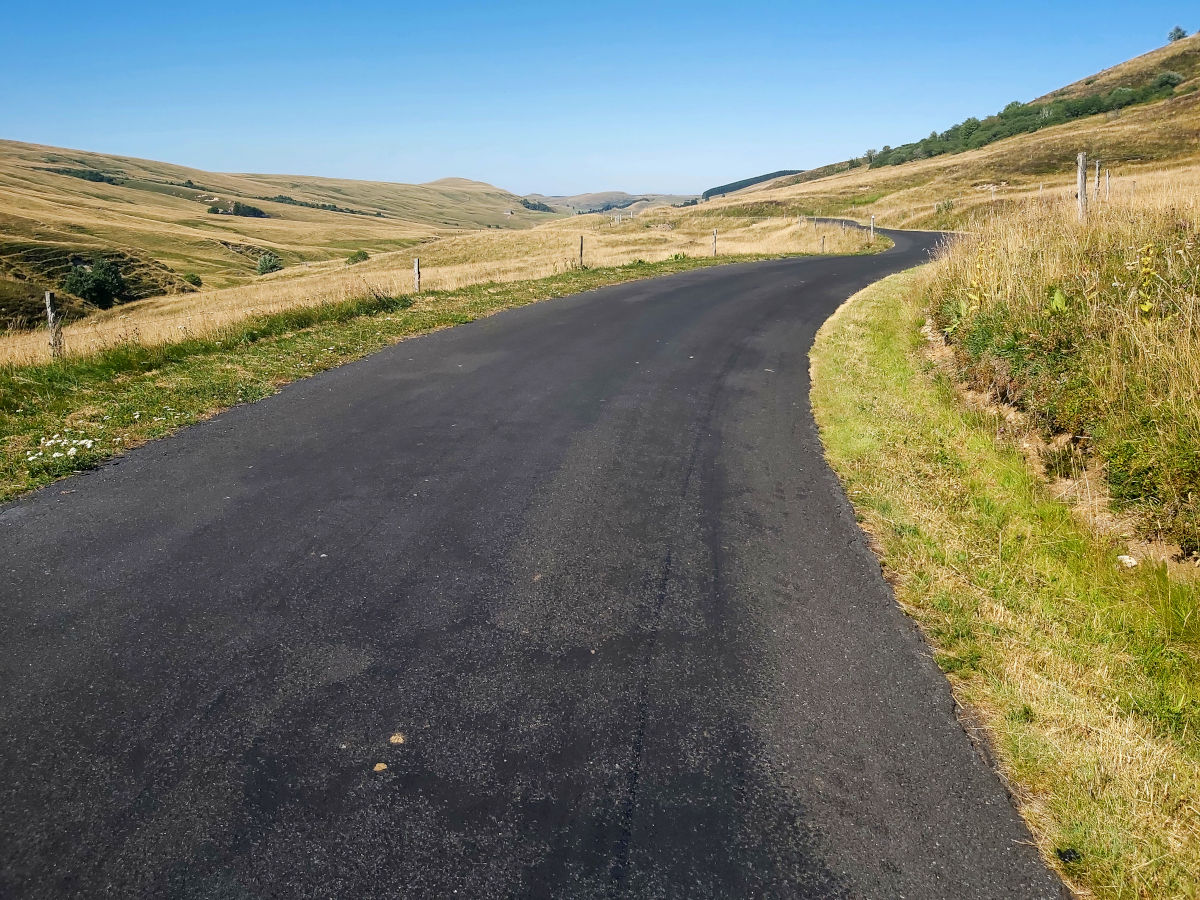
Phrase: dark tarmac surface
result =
(585, 557)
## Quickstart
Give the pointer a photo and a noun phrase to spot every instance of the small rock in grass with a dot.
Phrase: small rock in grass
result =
(1127, 562)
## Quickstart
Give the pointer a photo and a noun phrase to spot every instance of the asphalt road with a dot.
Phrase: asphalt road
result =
(584, 559)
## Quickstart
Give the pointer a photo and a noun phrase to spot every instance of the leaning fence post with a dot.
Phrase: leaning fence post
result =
(416, 276)
(1081, 185)
(54, 321)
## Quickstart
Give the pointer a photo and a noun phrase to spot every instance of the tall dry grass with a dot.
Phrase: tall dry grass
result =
(447, 263)
(1094, 327)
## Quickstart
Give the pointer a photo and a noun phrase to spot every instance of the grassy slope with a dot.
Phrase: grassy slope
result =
(1141, 138)
(151, 217)
(1086, 676)
(1180, 56)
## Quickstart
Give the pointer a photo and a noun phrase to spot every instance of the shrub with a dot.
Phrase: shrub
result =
(1168, 79)
(100, 284)
(535, 205)
(193, 279)
(269, 262)
(238, 209)
(356, 257)
(1176, 34)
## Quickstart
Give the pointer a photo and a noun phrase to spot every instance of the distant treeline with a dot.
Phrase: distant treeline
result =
(328, 207)
(1022, 118)
(536, 205)
(746, 182)
(86, 175)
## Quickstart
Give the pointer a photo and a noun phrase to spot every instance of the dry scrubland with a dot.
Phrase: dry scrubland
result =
(489, 256)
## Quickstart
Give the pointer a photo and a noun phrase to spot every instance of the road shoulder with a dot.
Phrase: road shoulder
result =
(1065, 659)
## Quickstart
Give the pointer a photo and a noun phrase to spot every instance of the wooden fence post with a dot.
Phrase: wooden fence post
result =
(54, 321)
(1081, 186)
(872, 229)
(416, 275)
(714, 242)
(822, 243)
(581, 251)
(1107, 184)
(1097, 181)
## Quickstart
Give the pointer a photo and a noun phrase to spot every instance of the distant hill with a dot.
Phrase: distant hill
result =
(609, 201)
(746, 182)
(59, 207)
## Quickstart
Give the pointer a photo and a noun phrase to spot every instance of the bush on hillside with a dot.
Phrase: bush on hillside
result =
(1176, 34)
(269, 262)
(1168, 79)
(356, 257)
(100, 284)
(193, 279)
(238, 209)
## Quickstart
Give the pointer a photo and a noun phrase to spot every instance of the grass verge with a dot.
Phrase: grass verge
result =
(60, 418)
(1086, 676)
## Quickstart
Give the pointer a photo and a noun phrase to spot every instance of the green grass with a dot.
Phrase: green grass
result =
(101, 404)
(1086, 676)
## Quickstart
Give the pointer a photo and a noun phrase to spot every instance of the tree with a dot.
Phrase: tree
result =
(1176, 34)
(100, 284)
(269, 262)
(870, 155)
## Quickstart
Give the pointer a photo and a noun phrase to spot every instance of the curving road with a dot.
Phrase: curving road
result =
(577, 575)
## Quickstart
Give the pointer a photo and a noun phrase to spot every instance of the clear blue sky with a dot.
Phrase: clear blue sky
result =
(540, 97)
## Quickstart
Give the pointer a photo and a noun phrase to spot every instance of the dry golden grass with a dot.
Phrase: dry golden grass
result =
(447, 263)
(1094, 328)
(151, 214)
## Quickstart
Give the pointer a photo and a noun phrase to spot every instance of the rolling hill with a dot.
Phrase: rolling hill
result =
(58, 207)
(947, 189)
(610, 201)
